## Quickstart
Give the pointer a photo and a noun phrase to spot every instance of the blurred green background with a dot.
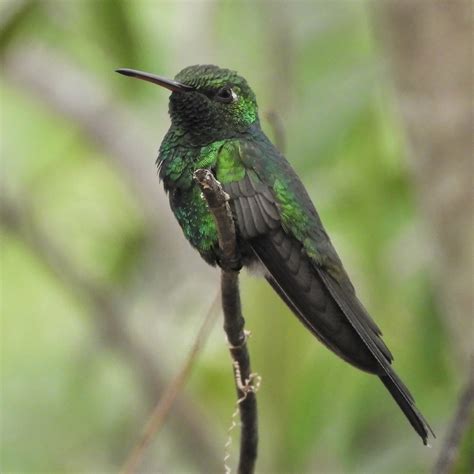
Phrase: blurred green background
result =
(101, 295)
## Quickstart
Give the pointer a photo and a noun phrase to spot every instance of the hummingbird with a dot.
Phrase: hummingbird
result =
(215, 125)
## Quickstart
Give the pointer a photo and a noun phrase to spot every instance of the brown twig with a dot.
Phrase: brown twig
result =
(77, 96)
(217, 200)
(462, 420)
(170, 393)
(16, 216)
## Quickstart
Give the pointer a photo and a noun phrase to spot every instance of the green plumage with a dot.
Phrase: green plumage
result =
(215, 125)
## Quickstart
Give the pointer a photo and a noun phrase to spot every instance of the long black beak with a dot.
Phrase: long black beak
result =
(170, 84)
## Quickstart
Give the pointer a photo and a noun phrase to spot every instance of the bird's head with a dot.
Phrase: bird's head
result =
(207, 102)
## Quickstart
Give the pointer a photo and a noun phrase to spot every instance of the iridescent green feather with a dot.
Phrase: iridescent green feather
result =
(196, 221)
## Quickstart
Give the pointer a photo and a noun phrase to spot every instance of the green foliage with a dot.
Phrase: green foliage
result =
(18, 18)
(69, 402)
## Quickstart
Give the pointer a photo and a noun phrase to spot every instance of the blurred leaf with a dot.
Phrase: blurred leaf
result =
(113, 24)
(126, 254)
(16, 16)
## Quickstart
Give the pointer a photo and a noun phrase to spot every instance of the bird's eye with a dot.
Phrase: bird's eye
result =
(226, 94)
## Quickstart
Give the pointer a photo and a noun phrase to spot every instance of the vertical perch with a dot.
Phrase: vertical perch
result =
(230, 264)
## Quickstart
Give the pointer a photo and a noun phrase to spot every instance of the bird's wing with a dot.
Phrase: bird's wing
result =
(293, 275)
(253, 205)
(276, 217)
(334, 315)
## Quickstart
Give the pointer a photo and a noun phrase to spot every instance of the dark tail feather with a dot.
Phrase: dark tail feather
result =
(408, 407)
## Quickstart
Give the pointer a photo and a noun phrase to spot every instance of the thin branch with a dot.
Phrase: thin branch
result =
(234, 322)
(16, 216)
(462, 420)
(171, 392)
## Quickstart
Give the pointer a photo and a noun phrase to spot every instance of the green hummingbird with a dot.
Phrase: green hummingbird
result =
(215, 125)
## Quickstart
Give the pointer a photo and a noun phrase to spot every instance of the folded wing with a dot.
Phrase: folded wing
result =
(327, 307)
